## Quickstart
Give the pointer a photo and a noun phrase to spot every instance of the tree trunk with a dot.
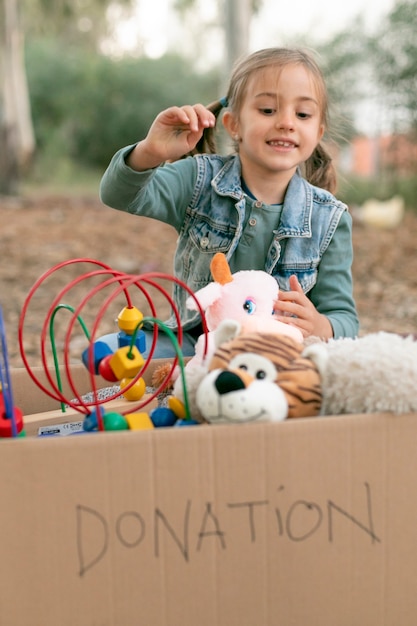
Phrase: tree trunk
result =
(17, 143)
(237, 21)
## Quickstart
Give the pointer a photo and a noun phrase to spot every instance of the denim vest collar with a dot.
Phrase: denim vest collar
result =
(298, 204)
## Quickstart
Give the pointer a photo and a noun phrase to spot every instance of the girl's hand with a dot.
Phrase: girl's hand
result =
(293, 307)
(174, 132)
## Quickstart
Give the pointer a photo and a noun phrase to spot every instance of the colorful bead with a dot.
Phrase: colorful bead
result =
(128, 319)
(124, 339)
(6, 425)
(126, 362)
(163, 417)
(136, 391)
(105, 370)
(139, 421)
(114, 421)
(177, 406)
(187, 422)
(95, 354)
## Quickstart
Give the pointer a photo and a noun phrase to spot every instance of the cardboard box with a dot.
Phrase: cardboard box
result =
(306, 522)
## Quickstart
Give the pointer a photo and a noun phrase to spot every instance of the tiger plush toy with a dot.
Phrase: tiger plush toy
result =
(257, 377)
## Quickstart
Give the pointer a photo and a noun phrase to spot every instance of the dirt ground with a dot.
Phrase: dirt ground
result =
(38, 233)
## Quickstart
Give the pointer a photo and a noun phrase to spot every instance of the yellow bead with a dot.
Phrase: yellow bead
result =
(177, 407)
(126, 362)
(128, 319)
(136, 391)
(139, 421)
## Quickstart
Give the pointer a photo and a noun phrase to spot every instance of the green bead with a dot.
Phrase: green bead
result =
(115, 421)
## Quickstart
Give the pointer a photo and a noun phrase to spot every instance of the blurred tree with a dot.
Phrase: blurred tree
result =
(76, 21)
(345, 64)
(395, 62)
(233, 17)
(16, 133)
(85, 107)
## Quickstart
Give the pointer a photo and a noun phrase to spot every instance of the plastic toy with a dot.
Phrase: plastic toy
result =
(126, 365)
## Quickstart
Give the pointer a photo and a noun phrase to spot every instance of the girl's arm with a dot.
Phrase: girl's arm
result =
(174, 133)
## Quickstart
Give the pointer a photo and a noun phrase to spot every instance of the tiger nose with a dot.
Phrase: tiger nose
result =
(228, 381)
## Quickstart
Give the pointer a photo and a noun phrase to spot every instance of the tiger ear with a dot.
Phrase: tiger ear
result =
(220, 269)
(226, 331)
(317, 353)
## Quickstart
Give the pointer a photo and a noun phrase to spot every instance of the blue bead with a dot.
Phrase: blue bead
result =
(186, 422)
(100, 350)
(91, 420)
(162, 417)
(124, 339)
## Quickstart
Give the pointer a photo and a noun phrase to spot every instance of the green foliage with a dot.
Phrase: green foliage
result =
(354, 191)
(342, 58)
(394, 51)
(88, 106)
(80, 22)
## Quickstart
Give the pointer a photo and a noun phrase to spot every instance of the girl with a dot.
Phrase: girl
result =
(268, 206)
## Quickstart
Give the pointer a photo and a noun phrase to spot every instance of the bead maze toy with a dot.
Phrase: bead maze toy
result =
(126, 366)
(11, 417)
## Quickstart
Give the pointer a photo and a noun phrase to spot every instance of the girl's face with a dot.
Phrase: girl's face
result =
(279, 123)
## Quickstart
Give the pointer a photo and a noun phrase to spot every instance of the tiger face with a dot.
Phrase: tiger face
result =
(259, 377)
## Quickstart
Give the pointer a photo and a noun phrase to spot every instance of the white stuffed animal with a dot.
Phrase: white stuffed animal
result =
(371, 374)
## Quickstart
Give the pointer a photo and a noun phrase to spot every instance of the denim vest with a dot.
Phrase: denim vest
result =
(214, 222)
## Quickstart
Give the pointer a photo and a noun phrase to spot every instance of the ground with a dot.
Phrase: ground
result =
(41, 231)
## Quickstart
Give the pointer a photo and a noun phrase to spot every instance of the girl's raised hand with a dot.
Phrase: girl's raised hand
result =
(174, 132)
(293, 307)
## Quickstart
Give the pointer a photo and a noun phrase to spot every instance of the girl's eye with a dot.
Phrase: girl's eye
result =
(267, 111)
(249, 306)
(304, 116)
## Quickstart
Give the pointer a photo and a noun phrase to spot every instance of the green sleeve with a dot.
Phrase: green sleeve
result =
(332, 295)
(162, 193)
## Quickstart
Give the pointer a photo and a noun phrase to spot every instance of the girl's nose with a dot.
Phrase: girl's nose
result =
(285, 120)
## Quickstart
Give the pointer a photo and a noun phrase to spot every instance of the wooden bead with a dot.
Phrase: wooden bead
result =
(139, 421)
(99, 351)
(177, 407)
(105, 370)
(126, 362)
(163, 417)
(129, 318)
(114, 421)
(136, 391)
(124, 339)
(6, 422)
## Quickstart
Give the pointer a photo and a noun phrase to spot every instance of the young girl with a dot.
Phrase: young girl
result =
(268, 206)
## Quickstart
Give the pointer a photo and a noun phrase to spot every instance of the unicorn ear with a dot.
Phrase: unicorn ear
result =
(227, 329)
(220, 269)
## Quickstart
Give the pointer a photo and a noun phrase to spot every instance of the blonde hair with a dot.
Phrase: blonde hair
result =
(318, 169)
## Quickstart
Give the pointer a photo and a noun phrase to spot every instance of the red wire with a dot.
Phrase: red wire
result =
(24, 311)
(125, 282)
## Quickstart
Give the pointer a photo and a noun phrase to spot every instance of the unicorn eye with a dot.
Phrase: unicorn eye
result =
(249, 306)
